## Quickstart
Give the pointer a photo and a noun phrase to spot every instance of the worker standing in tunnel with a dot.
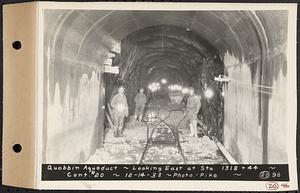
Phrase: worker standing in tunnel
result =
(192, 108)
(140, 101)
(120, 111)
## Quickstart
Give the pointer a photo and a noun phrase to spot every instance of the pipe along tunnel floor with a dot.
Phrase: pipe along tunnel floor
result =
(131, 148)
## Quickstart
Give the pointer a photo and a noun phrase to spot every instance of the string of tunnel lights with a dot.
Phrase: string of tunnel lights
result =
(184, 90)
(156, 85)
(209, 92)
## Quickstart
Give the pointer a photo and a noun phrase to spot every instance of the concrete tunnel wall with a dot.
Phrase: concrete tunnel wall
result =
(250, 44)
(255, 136)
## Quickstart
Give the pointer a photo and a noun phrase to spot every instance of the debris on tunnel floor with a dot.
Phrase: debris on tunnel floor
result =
(201, 151)
(129, 149)
(163, 155)
(122, 150)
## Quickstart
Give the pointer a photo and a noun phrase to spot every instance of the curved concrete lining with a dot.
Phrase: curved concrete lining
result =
(248, 47)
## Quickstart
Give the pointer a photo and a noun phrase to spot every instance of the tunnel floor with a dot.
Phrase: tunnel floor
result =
(130, 148)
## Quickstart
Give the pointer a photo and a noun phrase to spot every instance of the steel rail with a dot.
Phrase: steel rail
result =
(174, 131)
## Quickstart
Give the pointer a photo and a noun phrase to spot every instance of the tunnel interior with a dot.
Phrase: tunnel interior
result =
(168, 52)
(189, 48)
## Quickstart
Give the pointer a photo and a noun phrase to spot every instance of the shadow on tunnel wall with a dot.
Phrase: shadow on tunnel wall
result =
(99, 131)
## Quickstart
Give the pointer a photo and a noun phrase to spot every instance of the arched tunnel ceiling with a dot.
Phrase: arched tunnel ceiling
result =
(86, 36)
(87, 33)
(166, 48)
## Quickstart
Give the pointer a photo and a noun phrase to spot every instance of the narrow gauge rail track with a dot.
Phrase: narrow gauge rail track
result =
(162, 124)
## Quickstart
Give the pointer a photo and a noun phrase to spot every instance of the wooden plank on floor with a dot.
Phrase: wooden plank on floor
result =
(226, 154)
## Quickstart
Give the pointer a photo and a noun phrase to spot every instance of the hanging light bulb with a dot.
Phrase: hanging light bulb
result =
(209, 93)
(185, 90)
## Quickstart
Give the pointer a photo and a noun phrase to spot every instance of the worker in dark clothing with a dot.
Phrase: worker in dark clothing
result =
(120, 111)
(140, 101)
(192, 108)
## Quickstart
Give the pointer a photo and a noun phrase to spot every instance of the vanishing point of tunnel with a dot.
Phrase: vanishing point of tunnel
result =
(232, 59)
